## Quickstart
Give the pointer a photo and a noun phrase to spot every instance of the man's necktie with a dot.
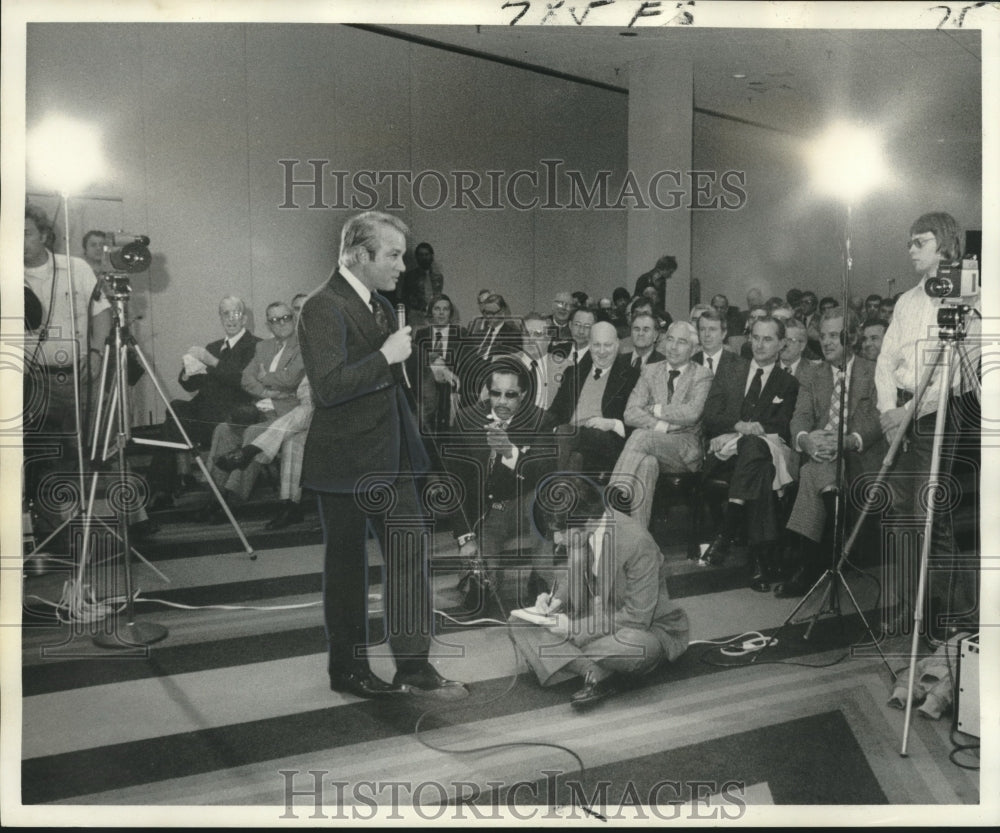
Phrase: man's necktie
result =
(753, 394)
(597, 374)
(380, 317)
(670, 384)
(709, 360)
(838, 386)
(437, 339)
(225, 349)
(636, 361)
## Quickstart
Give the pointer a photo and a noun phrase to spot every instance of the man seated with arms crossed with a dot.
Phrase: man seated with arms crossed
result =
(747, 416)
(611, 615)
(504, 445)
(665, 409)
(271, 380)
(591, 431)
(814, 433)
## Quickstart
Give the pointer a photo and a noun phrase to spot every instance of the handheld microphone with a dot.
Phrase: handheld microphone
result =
(401, 321)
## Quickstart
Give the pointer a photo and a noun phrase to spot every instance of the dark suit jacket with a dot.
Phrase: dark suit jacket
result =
(419, 367)
(413, 290)
(654, 357)
(774, 407)
(219, 391)
(621, 379)
(280, 384)
(812, 411)
(727, 357)
(473, 368)
(361, 409)
(467, 457)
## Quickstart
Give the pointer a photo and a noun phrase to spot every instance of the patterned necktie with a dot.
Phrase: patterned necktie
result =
(709, 360)
(380, 318)
(670, 384)
(838, 386)
(753, 394)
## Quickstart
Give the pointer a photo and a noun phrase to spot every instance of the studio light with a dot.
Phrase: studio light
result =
(846, 162)
(64, 154)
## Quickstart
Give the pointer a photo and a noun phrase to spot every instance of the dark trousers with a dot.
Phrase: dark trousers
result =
(347, 519)
(751, 478)
(587, 450)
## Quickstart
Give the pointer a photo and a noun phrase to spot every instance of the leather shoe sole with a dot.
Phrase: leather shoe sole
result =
(593, 693)
(364, 685)
(428, 681)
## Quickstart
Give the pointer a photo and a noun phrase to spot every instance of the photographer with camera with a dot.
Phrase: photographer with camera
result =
(907, 349)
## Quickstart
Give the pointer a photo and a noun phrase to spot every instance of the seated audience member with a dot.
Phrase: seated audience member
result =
(814, 429)
(696, 312)
(665, 409)
(579, 356)
(433, 365)
(755, 298)
(645, 306)
(297, 303)
(793, 356)
(746, 349)
(589, 410)
(712, 335)
(746, 419)
(645, 333)
(563, 306)
(619, 312)
(656, 279)
(214, 374)
(475, 328)
(499, 335)
(731, 315)
(872, 333)
(263, 442)
(419, 285)
(501, 448)
(872, 304)
(885, 309)
(545, 368)
(613, 619)
(271, 379)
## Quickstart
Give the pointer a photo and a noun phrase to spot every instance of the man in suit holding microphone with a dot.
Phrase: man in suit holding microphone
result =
(363, 443)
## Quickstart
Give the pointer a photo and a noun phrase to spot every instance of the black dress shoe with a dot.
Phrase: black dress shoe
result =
(717, 550)
(239, 458)
(593, 691)
(290, 513)
(426, 678)
(363, 684)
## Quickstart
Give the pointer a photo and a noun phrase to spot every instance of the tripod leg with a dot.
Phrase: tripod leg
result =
(191, 447)
(99, 413)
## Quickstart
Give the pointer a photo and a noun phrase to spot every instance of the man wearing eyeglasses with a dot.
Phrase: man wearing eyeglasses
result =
(271, 378)
(213, 373)
(505, 446)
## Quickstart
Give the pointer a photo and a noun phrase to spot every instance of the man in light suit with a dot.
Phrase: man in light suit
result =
(362, 441)
(591, 429)
(749, 400)
(665, 409)
(271, 379)
(814, 434)
(612, 616)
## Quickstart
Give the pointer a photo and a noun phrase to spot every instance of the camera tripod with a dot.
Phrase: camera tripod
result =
(115, 417)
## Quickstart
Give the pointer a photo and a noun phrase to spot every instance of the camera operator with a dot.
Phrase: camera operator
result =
(907, 348)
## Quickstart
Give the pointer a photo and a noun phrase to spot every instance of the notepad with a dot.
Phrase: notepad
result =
(531, 614)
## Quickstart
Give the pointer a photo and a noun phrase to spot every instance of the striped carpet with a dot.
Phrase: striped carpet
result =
(232, 709)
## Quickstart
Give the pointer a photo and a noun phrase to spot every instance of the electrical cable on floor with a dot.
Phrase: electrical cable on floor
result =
(496, 746)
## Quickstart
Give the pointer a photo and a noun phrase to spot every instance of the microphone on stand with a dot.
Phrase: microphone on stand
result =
(401, 321)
